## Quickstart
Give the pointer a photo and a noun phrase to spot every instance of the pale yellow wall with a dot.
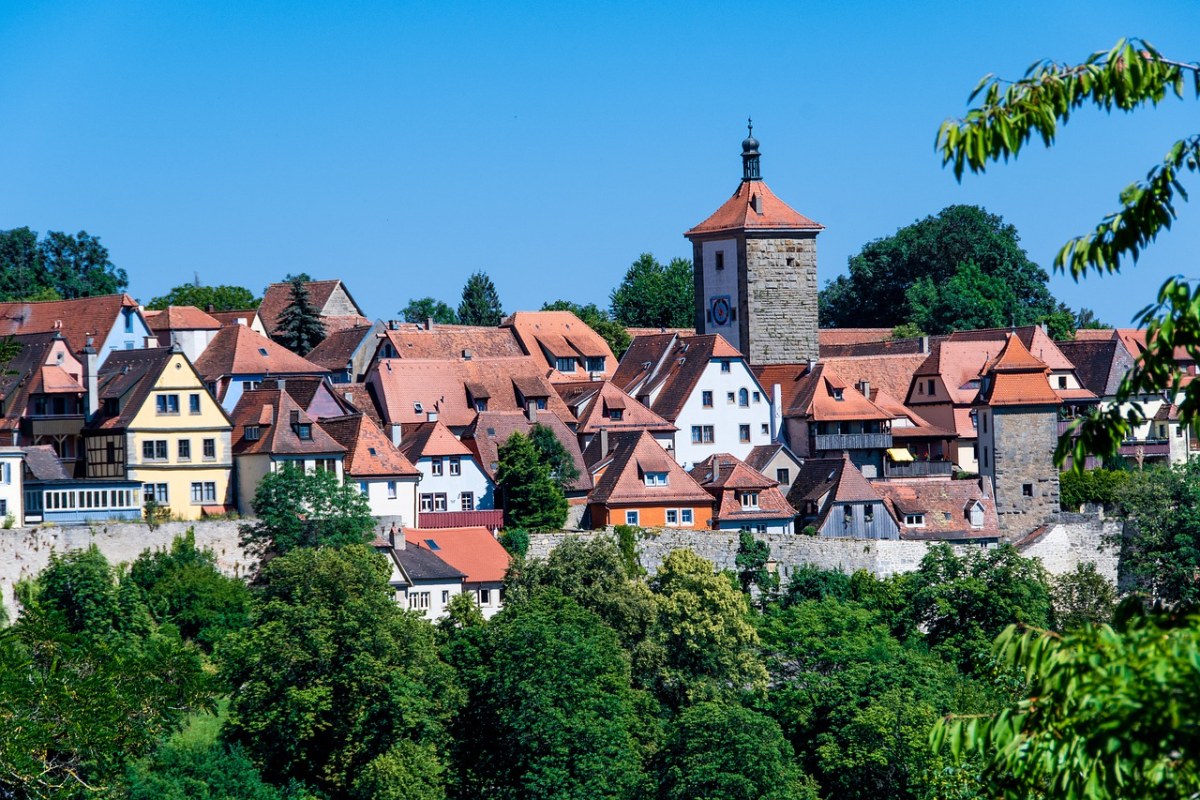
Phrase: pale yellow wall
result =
(210, 423)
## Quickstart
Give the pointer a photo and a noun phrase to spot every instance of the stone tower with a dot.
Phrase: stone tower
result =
(755, 267)
(1016, 417)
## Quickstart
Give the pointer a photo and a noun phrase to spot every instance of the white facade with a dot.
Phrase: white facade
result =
(391, 497)
(193, 342)
(719, 260)
(727, 412)
(760, 525)
(252, 468)
(12, 494)
(487, 597)
(429, 598)
(453, 483)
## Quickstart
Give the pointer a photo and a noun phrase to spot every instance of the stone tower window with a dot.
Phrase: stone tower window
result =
(1027, 489)
(720, 259)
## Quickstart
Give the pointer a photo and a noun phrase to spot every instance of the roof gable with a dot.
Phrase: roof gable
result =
(754, 207)
(623, 481)
(369, 452)
(239, 350)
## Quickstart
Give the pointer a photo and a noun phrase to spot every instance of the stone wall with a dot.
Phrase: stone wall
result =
(1025, 440)
(24, 552)
(1064, 546)
(779, 315)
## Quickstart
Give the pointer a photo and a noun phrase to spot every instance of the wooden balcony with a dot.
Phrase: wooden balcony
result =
(917, 469)
(852, 441)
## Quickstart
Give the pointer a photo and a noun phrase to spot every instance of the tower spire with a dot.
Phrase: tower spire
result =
(750, 155)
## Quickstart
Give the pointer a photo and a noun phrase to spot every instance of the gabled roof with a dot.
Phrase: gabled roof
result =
(338, 347)
(761, 455)
(43, 464)
(945, 505)
(919, 427)
(491, 429)
(739, 213)
(428, 439)
(788, 377)
(1100, 364)
(422, 564)
(359, 396)
(623, 482)
(26, 374)
(1015, 378)
(845, 336)
(247, 316)
(410, 340)
(278, 296)
(128, 376)
(75, 319)
(726, 477)
(369, 452)
(473, 551)
(550, 335)
(238, 350)
(272, 411)
(668, 367)
(816, 399)
(604, 397)
(181, 318)
(311, 390)
(823, 482)
(891, 373)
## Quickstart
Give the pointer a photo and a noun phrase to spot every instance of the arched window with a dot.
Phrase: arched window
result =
(743, 398)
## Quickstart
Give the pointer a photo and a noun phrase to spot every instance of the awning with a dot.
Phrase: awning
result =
(899, 455)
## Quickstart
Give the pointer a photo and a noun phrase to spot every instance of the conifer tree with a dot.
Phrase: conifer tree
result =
(299, 327)
(480, 302)
(532, 498)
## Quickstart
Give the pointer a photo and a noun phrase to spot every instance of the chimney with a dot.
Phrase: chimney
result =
(924, 344)
(281, 383)
(865, 388)
(531, 411)
(397, 435)
(392, 537)
(393, 324)
(716, 469)
(91, 380)
(603, 442)
(431, 416)
(429, 323)
(151, 341)
(210, 308)
(776, 412)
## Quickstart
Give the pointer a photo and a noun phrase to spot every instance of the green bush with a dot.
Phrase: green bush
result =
(1097, 487)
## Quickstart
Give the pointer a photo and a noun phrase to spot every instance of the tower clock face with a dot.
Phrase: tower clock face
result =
(719, 307)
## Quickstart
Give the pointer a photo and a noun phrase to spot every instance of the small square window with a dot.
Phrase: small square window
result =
(744, 434)
(1062, 381)
(784, 476)
(726, 366)
(1027, 489)
(765, 429)
(631, 518)
(685, 516)
(672, 516)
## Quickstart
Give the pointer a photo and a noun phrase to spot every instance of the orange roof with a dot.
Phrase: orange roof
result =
(920, 426)
(75, 319)
(843, 336)
(181, 318)
(472, 551)
(890, 373)
(239, 350)
(369, 452)
(623, 481)
(605, 399)
(550, 335)
(816, 399)
(739, 213)
(411, 340)
(431, 439)
(946, 506)
(787, 376)
(1014, 377)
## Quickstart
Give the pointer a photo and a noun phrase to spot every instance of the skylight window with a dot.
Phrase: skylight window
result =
(262, 351)
(432, 544)
(371, 450)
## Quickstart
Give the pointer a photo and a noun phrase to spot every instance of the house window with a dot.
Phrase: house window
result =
(128, 321)
(920, 388)
(466, 501)
(304, 431)
(702, 434)
(112, 407)
(364, 489)
(750, 500)
(204, 492)
(706, 399)
(485, 597)
(729, 398)
(784, 476)
(326, 465)
(672, 516)
(156, 492)
(726, 366)
(154, 450)
(167, 403)
(656, 479)
(193, 404)
(839, 394)
(743, 398)
(983, 423)
(418, 601)
(110, 452)
(481, 404)
(435, 466)
(758, 397)
(1027, 490)
(685, 516)
(252, 433)
(914, 520)
(391, 490)
(564, 364)
(744, 434)
(720, 257)
(185, 449)
(249, 386)
(210, 448)
(847, 516)
(455, 465)
(929, 383)
(435, 501)
(616, 414)
(765, 429)
(631, 518)
(869, 512)
(445, 596)
(595, 364)
(1062, 381)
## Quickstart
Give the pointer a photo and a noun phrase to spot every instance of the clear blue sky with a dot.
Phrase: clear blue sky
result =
(401, 146)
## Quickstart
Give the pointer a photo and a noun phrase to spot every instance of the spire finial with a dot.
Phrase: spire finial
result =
(750, 168)
(750, 126)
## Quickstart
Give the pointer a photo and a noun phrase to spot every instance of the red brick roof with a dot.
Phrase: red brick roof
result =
(428, 439)
(676, 364)
(816, 399)
(920, 428)
(75, 319)
(844, 336)
(338, 347)
(550, 335)
(1015, 378)
(891, 373)
(738, 213)
(271, 411)
(238, 350)
(451, 341)
(623, 480)
(181, 318)
(473, 551)
(369, 452)
(592, 404)
(945, 504)
(733, 477)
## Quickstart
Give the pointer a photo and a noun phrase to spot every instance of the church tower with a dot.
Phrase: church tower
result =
(755, 267)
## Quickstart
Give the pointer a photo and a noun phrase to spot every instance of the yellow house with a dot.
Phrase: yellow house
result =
(156, 423)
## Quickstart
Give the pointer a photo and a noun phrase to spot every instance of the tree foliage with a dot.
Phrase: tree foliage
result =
(198, 771)
(597, 319)
(295, 509)
(60, 266)
(1132, 74)
(554, 455)
(533, 499)
(1160, 553)
(652, 295)
(1081, 597)
(751, 560)
(221, 298)
(962, 268)
(299, 327)
(423, 309)
(480, 304)
(1101, 487)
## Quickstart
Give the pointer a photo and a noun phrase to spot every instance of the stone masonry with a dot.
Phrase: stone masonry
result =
(1026, 479)
(779, 299)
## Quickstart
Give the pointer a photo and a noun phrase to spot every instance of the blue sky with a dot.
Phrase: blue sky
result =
(401, 146)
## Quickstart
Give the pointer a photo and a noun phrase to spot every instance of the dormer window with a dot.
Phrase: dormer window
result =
(481, 404)
(1062, 381)
(914, 520)
(838, 394)
(112, 407)
(656, 479)
(304, 431)
(537, 402)
(253, 433)
(564, 364)
(750, 500)
(616, 414)
(595, 364)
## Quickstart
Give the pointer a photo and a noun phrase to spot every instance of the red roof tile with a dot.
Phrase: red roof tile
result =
(816, 399)
(75, 319)
(272, 411)
(945, 505)
(623, 481)
(453, 342)
(603, 398)
(739, 213)
(844, 336)
(1015, 377)
(734, 476)
(550, 335)
(427, 439)
(238, 350)
(369, 452)
(473, 551)
(182, 318)
(278, 296)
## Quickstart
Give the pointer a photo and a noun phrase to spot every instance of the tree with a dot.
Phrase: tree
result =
(221, 298)
(1130, 75)
(198, 771)
(300, 509)
(407, 771)
(331, 674)
(299, 327)
(1106, 713)
(598, 320)
(1160, 554)
(183, 586)
(480, 303)
(554, 455)
(532, 498)
(21, 273)
(729, 752)
(652, 295)
(423, 309)
(702, 624)
(78, 266)
(751, 561)
(1082, 596)
(942, 266)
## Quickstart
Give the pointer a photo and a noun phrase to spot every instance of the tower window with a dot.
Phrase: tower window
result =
(720, 255)
(1027, 490)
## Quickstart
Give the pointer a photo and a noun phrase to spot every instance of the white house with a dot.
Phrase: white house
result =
(422, 581)
(451, 479)
(11, 484)
(384, 476)
(476, 553)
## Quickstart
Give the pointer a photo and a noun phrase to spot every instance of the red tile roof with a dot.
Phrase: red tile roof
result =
(427, 439)
(181, 318)
(550, 335)
(739, 213)
(816, 399)
(668, 367)
(272, 411)
(593, 403)
(1015, 378)
(247, 316)
(338, 347)
(891, 373)
(821, 482)
(734, 476)
(946, 506)
(473, 551)
(238, 350)
(369, 452)
(844, 336)
(410, 340)
(623, 481)
(278, 296)
(75, 319)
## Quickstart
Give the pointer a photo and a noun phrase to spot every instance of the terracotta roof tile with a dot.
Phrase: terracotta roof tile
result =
(246, 316)
(844, 336)
(427, 439)
(598, 403)
(238, 350)
(891, 373)
(548, 335)
(338, 347)
(278, 296)
(369, 452)
(75, 319)
(623, 483)
(945, 505)
(128, 376)
(272, 411)
(676, 364)
(445, 342)
(182, 318)
(1015, 377)
(473, 551)
(816, 399)
(734, 476)
(738, 213)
